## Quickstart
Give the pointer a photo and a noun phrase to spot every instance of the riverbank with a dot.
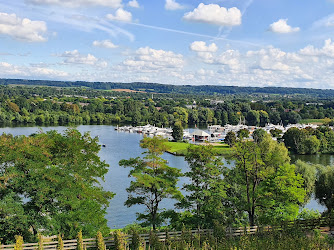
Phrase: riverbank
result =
(180, 148)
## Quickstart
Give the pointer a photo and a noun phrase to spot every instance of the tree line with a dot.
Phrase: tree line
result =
(168, 88)
(51, 106)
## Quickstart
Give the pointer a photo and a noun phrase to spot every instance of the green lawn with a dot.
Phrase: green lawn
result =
(180, 148)
(313, 121)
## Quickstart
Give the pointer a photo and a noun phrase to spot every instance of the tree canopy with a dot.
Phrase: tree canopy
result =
(263, 183)
(50, 182)
(154, 181)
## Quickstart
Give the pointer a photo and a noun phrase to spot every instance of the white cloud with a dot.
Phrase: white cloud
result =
(327, 21)
(74, 57)
(173, 5)
(214, 14)
(120, 15)
(281, 26)
(326, 51)
(230, 58)
(147, 59)
(7, 69)
(104, 44)
(133, 4)
(22, 29)
(200, 46)
(78, 3)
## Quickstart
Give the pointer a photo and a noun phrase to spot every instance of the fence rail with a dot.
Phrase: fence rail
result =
(50, 243)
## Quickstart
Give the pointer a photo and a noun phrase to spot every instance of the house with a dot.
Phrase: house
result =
(200, 135)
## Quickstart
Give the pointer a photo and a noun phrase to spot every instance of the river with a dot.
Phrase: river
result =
(121, 145)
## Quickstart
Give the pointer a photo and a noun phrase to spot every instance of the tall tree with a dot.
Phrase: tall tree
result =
(177, 132)
(154, 181)
(259, 167)
(205, 191)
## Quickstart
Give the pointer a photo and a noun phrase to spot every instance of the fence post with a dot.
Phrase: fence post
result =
(40, 242)
(79, 241)
(60, 244)
(100, 241)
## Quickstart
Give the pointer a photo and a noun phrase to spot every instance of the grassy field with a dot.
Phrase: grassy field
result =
(180, 148)
(313, 121)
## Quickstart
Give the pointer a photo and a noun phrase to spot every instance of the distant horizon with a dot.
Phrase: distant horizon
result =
(143, 82)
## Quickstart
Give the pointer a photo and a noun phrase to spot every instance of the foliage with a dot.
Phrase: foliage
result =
(19, 243)
(177, 132)
(309, 214)
(63, 106)
(276, 132)
(230, 138)
(119, 239)
(80, 241)
(154, 181)
(324, 187)
(309, 174)
(205, 192)
(136, 241)
(60, 243)
(243, 133)
(263, 183)
(258, 135)
(100, 241)
(57, 175)
(294, 139)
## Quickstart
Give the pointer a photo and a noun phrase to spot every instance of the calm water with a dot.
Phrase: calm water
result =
(120, 145)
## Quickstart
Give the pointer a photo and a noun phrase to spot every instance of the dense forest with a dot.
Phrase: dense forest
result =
(21, 105)
(178, 89)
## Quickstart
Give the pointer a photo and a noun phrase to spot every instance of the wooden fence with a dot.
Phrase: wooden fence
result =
(324, 224)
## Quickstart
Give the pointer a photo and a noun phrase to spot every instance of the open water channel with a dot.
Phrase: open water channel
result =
(122, 145)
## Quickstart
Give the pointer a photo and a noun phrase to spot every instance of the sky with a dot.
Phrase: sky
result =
(279, 43)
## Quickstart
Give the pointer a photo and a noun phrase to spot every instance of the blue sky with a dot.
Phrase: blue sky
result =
(223, 42)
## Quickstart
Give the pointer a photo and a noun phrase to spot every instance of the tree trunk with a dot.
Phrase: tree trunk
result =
(251, 219)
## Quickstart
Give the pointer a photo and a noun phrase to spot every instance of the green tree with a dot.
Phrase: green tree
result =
(264, 118)
(177, 132)
(254, 184)
(324, 187)
(294, 139)
(154, 181)
(309, 174)
(230, 138)
(181, 114)
(57, 175)
(205, 192)
(253, 118)
(283, 193)
(243, 133)
(258, 135)
(224, 118)
(311, 145)
(276, 132)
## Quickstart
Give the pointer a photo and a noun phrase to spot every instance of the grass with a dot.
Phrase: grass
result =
(180, 148)
(313, 121)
